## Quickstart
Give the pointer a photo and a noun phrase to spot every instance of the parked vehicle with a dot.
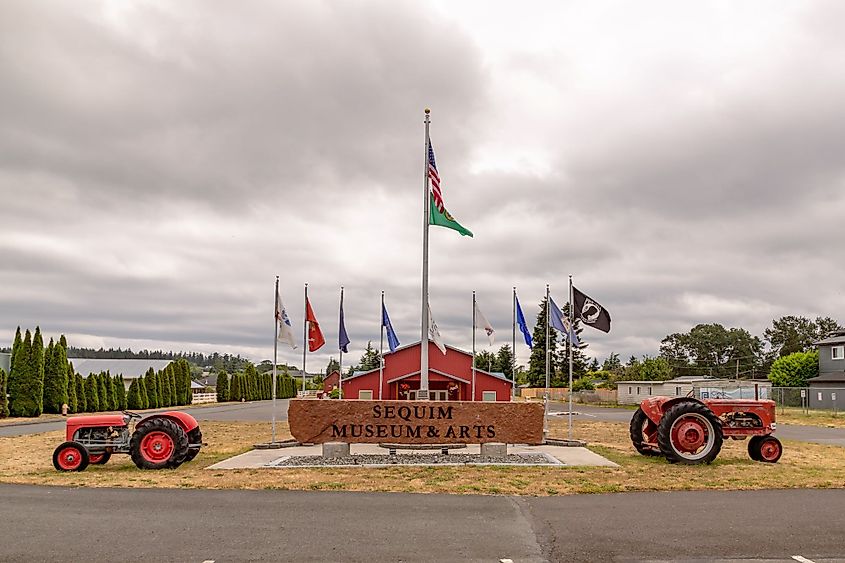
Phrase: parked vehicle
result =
(156, 441)
(689, 430)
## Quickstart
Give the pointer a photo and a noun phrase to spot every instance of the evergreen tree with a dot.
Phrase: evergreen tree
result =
(579, 359)
(235, 389)
(370, 359)
(111, 383)
(104, 388)
(81, 400)
(180, 383)
(152, 388)
(144, 399)
(55, 378)
(24, 392)
(171, 374)
(222, 387)
(92, 393)
(250, 375)
(36, 359)
(537, 362)
(167, 390)
(17, 344)
(333, 365)
(72, 401)
(4, 403)
(133, 397)
(504, 360)
(120, 392)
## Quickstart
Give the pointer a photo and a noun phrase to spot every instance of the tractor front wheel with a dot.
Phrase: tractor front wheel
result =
(99, 459)
(643, 431)
(70, 456)
(157, 443)
(689, 433)
(767, 449)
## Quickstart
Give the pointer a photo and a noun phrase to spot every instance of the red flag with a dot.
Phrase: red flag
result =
(315, 335)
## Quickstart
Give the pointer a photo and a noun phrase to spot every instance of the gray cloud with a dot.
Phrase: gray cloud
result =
(160, 165)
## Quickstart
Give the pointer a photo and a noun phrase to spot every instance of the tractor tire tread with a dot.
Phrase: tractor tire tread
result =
(636, 433)
(180, 442)
(664, 439)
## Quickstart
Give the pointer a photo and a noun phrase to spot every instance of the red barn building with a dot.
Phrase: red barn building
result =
(330, 381)
(449, 378)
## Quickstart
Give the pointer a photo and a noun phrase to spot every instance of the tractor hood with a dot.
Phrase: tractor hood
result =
(101, 420)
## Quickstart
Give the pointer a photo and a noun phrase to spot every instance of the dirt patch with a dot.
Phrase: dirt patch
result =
(27, 459)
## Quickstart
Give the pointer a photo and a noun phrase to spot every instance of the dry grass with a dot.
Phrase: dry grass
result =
(27, 459)
(793, 415)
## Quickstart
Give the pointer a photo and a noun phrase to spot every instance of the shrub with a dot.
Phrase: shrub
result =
(582, 384)
(795, 369)
(222, 387)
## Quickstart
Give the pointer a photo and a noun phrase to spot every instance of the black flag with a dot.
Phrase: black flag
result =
(590, 312)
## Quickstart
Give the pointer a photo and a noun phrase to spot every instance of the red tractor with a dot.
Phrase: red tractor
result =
(688, 430)
(158, 441)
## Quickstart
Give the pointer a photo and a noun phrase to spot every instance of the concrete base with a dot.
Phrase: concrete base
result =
(494, 449)
(335, 449)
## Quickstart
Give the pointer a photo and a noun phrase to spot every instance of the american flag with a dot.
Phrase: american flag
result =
(435, 179)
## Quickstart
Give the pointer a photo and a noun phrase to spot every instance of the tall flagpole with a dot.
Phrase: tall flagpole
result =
(513, 347)
(381, 349)
(304, 338)
(473, 345)
(423, 392)
(548, 353)
(340, 361)
(275, 354)
(571, 346)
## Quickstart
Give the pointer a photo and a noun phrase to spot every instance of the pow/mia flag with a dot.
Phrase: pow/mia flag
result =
(590, 312)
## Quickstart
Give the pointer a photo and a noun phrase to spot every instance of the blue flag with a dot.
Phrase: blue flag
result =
(342, 338)
(392, 341)
(560, 323)
(520, 320)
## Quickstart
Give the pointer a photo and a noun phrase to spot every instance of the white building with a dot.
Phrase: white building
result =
(633, 392)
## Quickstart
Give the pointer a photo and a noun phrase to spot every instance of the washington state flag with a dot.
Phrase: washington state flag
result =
(442, 218)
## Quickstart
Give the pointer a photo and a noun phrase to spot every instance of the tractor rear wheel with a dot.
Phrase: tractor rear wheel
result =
(641, 429)
(70, 456)
(689, 433)
(767, 449)
(156, 443)
(99, 459)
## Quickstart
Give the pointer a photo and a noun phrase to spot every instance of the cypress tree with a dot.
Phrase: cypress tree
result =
(160, 388)
(92, 393)
(36, 359)
(22, 401)
(251, 386)
(133, 397)
(120, 392)
(171, 374)
(17, 344)
(103, 391)
(142, 392)
(72, 401)
(222, 387)
(55, 378)
(4, 403)
(235, 388)
(152, 389)
(164, 379)
(81, 403)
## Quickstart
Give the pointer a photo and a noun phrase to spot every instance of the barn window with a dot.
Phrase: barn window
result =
(365, 394)
(649, 390)
(638, 390)
(837, 353)
(489, 396)
(630, 390)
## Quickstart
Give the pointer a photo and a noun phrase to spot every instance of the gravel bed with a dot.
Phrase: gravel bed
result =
(414, 459)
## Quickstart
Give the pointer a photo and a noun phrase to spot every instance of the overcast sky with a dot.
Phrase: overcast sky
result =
(161, 163)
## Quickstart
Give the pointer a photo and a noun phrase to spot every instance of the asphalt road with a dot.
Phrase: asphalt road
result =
(47, 524)
(262, 410)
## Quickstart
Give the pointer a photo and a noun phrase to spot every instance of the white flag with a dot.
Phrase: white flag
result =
(433, 333)
(285, 328)
(481, 320)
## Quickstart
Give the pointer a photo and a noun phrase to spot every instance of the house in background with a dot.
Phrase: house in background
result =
(704, 387)
(827, 390)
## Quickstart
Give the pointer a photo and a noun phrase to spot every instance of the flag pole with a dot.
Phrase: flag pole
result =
(381, 349)
(340, 361)
(423, 391)
(304, 338)
(571, 346)
(275, 356)
(473, 345)
(548, 352)
(513, 347)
